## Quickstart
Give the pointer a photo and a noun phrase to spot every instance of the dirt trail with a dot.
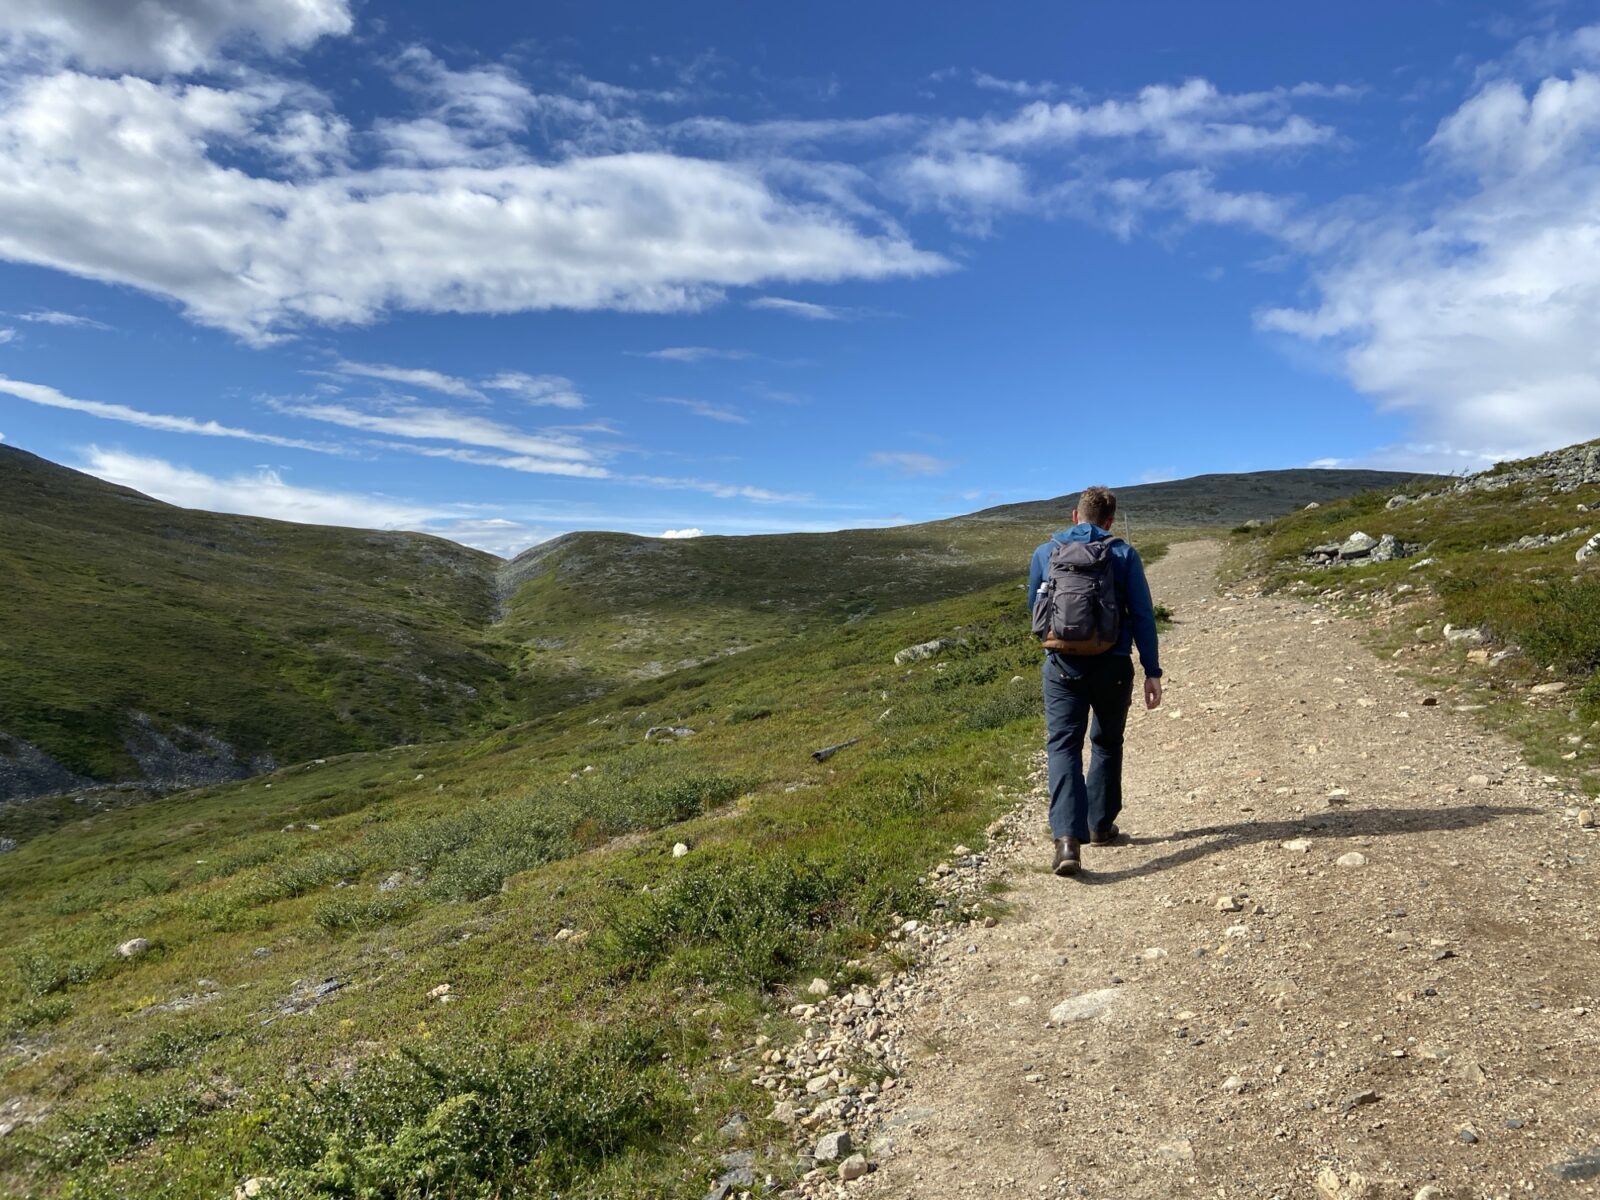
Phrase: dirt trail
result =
(1428, 1017)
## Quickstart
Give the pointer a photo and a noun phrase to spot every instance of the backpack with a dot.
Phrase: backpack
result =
(1078, 609)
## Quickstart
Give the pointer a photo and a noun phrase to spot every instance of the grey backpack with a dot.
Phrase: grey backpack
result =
(1077, 609)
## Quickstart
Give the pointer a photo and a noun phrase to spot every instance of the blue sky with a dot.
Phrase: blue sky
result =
(500, 271)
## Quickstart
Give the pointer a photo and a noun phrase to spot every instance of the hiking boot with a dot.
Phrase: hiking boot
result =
(1067, 861)
(1108, 838)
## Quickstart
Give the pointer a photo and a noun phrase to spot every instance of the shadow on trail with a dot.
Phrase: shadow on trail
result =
(1334, 825)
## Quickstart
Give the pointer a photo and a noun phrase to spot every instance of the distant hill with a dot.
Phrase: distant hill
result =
(1215, 499)
(140, 641)
(144, 642)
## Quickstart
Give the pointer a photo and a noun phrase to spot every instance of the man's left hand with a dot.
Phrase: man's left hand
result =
(1152, 692)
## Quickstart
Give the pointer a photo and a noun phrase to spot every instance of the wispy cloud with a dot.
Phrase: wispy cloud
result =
(262, 492)
(1014, 87)
(49, 397)
(711, 412)
(46, 316)
(723, 491)
(690, 354)
(555, 453)
(6, 334)
(909, 463)
(555, 391)
(804, 309)
(422, 377)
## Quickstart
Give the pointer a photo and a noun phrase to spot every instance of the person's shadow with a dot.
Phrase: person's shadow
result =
(1332, 824)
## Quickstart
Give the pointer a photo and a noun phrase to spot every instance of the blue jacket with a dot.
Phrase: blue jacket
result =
(1139, 614)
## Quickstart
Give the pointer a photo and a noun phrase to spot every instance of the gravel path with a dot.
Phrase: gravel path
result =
(1262, 1015)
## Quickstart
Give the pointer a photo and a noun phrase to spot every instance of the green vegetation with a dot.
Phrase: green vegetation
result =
(1536, 604)
(287, 641)
(281, 1023)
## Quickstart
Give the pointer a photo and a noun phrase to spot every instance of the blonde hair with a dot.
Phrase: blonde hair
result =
(1097, 505)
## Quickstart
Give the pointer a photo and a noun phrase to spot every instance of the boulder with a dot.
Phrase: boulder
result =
(1589, 549)
(1358, 545)
(661, 731)
(1397, 502)
(833, 1147)
(924, 650)
(133, 947)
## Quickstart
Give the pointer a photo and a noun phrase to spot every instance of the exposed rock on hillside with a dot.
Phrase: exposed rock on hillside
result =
(26, 770)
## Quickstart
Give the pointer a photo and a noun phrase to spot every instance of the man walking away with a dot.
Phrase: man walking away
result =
(1090, 604)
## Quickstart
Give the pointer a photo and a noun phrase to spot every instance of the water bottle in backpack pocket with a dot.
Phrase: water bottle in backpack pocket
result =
(1078, 610)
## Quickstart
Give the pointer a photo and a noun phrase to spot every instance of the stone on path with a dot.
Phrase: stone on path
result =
(1354, 859)
(853, 1167)
(1083, 1007)
(831, 1147)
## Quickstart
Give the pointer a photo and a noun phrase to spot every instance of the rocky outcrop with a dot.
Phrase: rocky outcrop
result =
(27, 771)
(185, 758)
(1360, 548)
(1563, 470)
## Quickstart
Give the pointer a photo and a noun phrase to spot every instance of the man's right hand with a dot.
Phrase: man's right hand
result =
(1152, 692)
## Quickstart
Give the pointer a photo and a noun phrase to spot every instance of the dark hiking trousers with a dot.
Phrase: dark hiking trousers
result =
(1084, 694)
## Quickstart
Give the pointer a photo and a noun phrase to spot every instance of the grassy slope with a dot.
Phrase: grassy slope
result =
(589, 1065)
(1538, 601)
(288, 640)
(294, 641)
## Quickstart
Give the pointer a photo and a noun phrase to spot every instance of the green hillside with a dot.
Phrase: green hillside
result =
(127, 620)
(145, 642)
(284, 1021)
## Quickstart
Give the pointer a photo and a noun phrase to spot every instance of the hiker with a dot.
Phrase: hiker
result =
(1090, 604)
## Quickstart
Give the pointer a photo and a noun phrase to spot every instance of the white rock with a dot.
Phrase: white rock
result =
(1227, 904)
(1354, 859)
(1477, 781)
(1298, 845)
(832, 1147)
(133, 947)
(1549, 689)
(853, 1167)
(1234, 1084)
(679, 849)
(440, 992)
(1083, 1007)
(818, 987)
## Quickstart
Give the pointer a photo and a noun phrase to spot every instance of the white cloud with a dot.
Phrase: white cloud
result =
(264, 492)
(160, 205)
(1193, 119)
(963, 183)
(6, 334)
(1481, 319)
(682, 533)
(723, 491)
(690, 354)
(51, 317)
(259, 493)
(49, 397)
(168, 35)
(710, 412)
(553, 453)
(421, 377)
(909, 463)
(554, 391)
(1014, 87)
(803, 309)
(530, 464)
